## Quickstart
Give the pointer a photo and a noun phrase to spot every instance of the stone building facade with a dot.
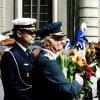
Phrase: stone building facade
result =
(87, 11)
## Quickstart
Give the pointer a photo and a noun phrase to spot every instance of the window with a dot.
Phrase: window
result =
(39, 9)
(73, 19)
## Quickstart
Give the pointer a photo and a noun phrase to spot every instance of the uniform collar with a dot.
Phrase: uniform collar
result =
(23, 48)
(50, 54)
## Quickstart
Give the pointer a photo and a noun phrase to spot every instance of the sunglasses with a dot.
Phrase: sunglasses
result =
(30, 32)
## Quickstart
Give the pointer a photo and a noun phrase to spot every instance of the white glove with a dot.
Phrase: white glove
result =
(79, 79)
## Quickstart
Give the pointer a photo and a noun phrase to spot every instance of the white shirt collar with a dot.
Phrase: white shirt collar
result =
(21, 46)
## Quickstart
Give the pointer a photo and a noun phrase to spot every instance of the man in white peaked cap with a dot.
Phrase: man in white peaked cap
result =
(16, 65)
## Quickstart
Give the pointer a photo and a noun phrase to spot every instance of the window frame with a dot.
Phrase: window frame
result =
(40, 20)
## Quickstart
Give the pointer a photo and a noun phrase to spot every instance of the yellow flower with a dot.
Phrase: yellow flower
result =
(73, 58)
(89, 50)
(93, 50)
(80, 63)
(73, 52)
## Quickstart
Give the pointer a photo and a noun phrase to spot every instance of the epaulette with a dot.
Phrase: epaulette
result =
(49, 56)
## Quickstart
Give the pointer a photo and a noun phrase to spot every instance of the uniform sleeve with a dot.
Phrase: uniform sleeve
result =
(10, 77)
(54, 75)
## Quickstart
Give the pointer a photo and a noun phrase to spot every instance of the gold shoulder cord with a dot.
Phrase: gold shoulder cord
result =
(29, 86)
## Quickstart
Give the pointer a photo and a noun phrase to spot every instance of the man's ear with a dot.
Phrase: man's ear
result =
(19, 34)
(48, 38)
(46, 41)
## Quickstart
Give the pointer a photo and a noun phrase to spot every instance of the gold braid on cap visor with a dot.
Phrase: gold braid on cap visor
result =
(58, 34)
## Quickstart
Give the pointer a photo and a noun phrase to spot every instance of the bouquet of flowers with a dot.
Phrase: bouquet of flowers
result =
(70, 65)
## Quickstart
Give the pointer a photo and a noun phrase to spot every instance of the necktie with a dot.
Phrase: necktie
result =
(30, 55)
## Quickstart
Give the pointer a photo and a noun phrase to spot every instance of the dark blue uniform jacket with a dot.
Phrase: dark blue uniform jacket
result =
(49, 82)
(17, 82)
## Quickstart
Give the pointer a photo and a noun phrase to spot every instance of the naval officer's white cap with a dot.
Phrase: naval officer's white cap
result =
(24, 23)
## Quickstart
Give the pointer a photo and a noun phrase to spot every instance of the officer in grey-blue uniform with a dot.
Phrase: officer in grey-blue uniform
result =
(48, 80)
(16, 64)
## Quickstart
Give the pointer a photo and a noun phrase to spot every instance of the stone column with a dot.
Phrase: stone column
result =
(18, 8)
(62, 13)
(1, 16)
(89, 14)
(55, 10)
(8, 14)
